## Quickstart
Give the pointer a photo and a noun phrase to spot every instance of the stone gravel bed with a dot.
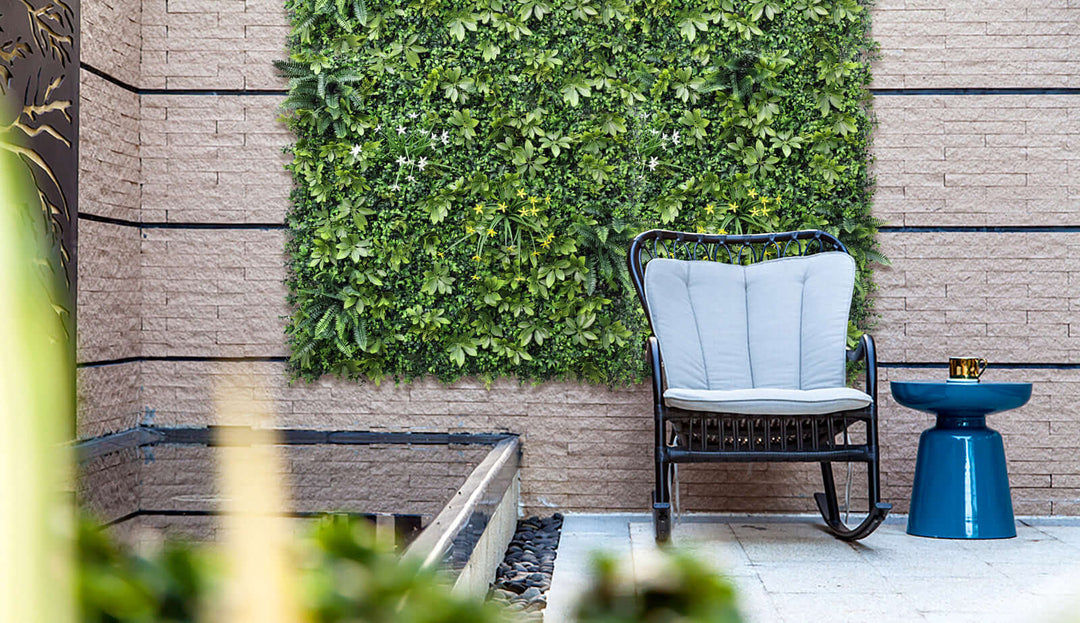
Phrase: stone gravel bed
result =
(524, 576)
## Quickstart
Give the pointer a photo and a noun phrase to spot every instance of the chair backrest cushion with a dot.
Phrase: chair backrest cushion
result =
(777, 323)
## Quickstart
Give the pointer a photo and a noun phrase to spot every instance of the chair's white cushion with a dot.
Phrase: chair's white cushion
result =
(767, 400)
(778, 324)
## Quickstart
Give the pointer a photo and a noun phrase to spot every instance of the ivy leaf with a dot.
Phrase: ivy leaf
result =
(827, 100)
(459, 23)
(455, 87)
(577, 86)
(696, 123)
(465, 123)
(437, 207)
(765, 8)
(527, 160)
(490, 50)
(844, 125)
(691, 23)
(459, 347)
(613, 125)
(555, 142)
(534, 9)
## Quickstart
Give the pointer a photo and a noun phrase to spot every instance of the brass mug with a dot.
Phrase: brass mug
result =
(967, 368)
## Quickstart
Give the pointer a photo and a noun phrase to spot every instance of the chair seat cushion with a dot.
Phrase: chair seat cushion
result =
(768, 401)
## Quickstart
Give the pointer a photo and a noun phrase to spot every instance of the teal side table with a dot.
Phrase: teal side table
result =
(961, 488)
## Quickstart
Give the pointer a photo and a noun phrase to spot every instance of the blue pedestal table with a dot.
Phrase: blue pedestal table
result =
(961, 488)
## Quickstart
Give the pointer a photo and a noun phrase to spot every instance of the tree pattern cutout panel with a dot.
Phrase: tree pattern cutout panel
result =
(39, 123)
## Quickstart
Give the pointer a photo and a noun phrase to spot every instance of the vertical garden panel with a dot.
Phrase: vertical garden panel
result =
(468, 172)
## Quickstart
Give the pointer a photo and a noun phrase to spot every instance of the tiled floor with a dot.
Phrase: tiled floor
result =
(789, 570)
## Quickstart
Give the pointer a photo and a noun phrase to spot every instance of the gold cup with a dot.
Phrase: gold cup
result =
(966, 368)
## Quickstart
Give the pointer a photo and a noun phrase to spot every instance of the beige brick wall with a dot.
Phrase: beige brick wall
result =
(959, 160)
(1007, 297)
(978, 160)
(584, 446)
(111, 41)
(109, 399)
(109, 296)
(109, 292)
(108, 485)
(217, 293)
(336, 478)
(213, 159)
(108, 149)
(212, 44)
(976, 43)
(385, 479)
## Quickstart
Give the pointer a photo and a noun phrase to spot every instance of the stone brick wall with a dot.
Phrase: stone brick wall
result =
(977, 160)
(110, 399)
(144, 488)
(334, 478)
(212, 44)
(111, 33)
(213, 159)
(108, 485)
(108, 149)
(954, 156)
(978, 43)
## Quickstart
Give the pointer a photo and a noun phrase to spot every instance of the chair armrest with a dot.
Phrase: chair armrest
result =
(652, 357)
(866, 351)
(856, 354)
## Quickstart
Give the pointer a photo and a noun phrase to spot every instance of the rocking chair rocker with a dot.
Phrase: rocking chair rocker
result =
(748, 360)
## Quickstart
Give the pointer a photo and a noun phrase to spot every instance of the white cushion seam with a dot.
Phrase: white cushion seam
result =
(802, 309)
(746, 307)
(697, 326)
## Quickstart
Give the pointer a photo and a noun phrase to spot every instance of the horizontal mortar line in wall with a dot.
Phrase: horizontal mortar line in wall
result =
(142, 436)
(980, 91)
(924, 365)
(122, 360)
(169, 225)
(885, 229)
(199, 358)
(108, 219)
(307, 437)
(217, 513)
(980, 229)
(148, 91)
(876, 91)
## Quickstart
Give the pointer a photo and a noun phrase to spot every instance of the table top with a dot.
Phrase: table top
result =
(981, 398)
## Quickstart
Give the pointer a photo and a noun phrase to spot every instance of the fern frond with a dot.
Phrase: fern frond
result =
(324, 322)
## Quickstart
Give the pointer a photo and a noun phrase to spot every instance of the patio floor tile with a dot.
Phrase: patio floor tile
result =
(788, 569)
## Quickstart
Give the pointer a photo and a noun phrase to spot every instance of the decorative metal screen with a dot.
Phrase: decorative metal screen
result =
(39, 121)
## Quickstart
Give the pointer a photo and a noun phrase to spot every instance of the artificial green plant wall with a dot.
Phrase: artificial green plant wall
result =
(468, 172)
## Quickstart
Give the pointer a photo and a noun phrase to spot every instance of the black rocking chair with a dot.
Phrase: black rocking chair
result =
(748, 358)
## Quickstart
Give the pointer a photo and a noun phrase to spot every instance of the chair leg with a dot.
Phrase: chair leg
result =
(830, 509)
(661, 507)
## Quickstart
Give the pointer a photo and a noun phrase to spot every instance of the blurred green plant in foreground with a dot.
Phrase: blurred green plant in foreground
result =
(664, 587)
(36, 413)
(116, 585)
(346, 575)
(52, 571)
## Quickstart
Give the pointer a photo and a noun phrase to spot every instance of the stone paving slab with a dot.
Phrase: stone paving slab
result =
(790, 570)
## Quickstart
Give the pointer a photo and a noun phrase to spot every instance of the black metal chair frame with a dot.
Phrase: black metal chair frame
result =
(695, 436)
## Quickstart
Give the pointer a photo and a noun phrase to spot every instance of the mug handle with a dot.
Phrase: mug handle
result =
(982, 368)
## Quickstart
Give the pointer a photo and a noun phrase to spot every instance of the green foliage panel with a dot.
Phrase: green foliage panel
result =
(469, 172)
